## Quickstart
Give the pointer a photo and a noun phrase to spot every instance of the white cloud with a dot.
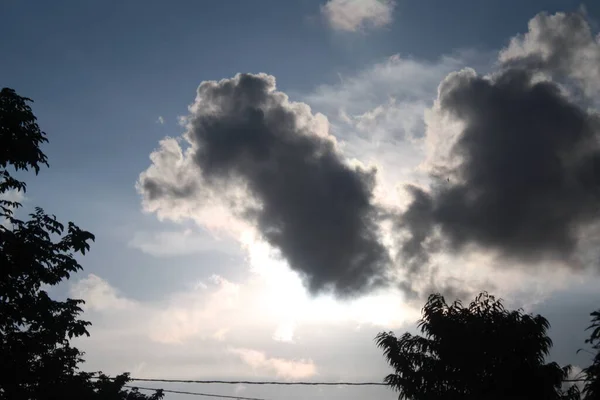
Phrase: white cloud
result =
(284, 332)
(175, 243)
(15, 196)
(197, 314)
(174, 167)
(378, 115)
(99, 295)
(404, 78)
(189, 334)
(561, 44)
(220, 309)
(353, 15)
(386, 101)
(160, 120)
(289, 369)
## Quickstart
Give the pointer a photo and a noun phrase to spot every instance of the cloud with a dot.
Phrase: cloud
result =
(387, 116)
(259, 161)
(195, 313)
(14, 196)
(517, 170)
(190, 332)
(353, 15)
(284, 333)
(397, 79)
(175, 243)
(220, 334)
(99, 295)
(378, 115)
(199, 312)
(289, 369)
(172, 189)
(160, 120)
(561, 45)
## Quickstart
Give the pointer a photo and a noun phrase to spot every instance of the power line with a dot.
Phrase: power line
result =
(221, 396)
(262, 382)
(280, 383)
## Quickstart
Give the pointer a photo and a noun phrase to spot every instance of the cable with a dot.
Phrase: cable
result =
(252, 383)
(221, 396)
(279, 382)
(263, 382)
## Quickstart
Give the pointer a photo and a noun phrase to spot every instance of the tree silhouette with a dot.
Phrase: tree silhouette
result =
(591, 388)
(481, 351)
(37, 360)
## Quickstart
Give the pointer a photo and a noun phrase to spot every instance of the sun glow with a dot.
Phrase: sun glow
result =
(284, 298)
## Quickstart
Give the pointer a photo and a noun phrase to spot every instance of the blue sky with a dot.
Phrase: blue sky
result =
(102, 74)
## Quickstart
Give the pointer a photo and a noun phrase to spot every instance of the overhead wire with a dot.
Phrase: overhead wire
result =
(280, 383)
(283, 383)
(220, 396)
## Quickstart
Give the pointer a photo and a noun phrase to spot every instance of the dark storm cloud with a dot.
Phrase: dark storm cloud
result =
(155, 190)
(418, 219)
(316, 210)
(525, 177)
(528, 177)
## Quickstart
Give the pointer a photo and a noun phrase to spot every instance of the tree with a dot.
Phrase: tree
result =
(37, 359)
(591, 388)
(482, 351)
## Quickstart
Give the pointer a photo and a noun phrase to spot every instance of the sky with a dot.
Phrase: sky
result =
(273, 183)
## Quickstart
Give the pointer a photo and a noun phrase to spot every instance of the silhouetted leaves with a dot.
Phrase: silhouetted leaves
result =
(37, 360)
(591, 389)
(481, 351)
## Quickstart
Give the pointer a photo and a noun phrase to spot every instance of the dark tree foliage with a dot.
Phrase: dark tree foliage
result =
(481, 351)
(36, 358)
(591, 388)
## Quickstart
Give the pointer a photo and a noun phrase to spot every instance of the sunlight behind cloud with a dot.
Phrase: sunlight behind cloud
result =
(284, 296)
(353, 15)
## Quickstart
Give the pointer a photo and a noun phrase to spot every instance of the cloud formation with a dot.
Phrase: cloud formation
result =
(289, 369)
(521, 176)
(377, 115)
(99, 295)
(274, 164)
(175, 243)
(191, 332)
(561, 45)
(387, 99)
(511, 164)
(353, 15)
